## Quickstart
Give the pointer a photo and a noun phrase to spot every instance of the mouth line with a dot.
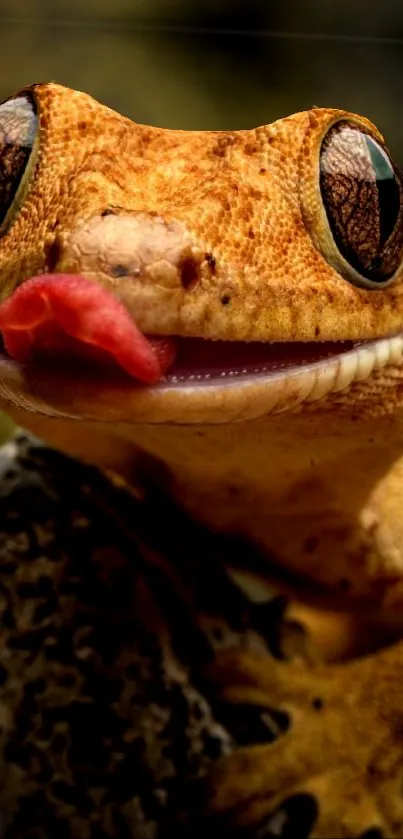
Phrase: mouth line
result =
(71, 348)
(202, 362)
(69, 320)
(192, 393)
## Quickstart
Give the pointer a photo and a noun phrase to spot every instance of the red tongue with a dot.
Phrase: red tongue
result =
(55, 311)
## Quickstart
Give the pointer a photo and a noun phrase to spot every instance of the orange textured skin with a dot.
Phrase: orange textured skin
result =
(318, 489)
(221, 235)
(342, 748)
(249, 199)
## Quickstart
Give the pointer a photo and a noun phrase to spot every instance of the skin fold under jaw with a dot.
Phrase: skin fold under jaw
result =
(253, 351)
(217, 316)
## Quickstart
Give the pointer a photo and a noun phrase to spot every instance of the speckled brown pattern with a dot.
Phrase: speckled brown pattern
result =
(338, 770)
(142, 696)
(119, 715)
(101, 721)
(248, 200)
(222, 235)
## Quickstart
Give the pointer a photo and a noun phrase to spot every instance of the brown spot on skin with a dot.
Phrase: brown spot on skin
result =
(255, 194)
(284, 286)
(52, 254)
(189, 272)
(223, 144)
(45, 120)
(139, 246)
(311, 544)
(313, 118)
(211, 262)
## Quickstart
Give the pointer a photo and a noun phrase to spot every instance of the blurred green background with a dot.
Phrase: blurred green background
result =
(212, 63)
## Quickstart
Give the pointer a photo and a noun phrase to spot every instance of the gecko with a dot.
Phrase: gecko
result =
(219, 315)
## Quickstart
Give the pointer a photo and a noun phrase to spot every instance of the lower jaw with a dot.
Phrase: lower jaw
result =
(210, 381)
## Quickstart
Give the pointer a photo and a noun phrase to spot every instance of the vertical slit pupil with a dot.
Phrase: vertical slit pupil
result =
(389, 205)
(388, 190)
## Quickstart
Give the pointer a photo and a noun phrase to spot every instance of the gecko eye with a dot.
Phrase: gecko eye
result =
(18, 130)
(362, 195)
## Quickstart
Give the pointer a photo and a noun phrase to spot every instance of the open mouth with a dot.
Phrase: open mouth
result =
(57, 315)
(70, 320)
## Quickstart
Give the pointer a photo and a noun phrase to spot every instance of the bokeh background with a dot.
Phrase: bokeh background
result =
(213, 63)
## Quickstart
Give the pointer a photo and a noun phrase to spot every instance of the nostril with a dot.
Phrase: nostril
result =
(120, 270)
(372, 833)
(189, 273)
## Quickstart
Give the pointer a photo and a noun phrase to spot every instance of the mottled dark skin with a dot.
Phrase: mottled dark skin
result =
(102, 721)
(118, 719)
(101, 718)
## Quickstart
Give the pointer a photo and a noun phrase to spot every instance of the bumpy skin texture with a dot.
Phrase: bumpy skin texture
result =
(116, 721)
(243, 203)
(222, 235)
(100, 722)
(339, 765)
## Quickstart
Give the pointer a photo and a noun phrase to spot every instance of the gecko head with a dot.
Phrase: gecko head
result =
(185, 277)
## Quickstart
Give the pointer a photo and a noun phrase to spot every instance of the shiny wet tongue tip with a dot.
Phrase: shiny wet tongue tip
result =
(65, 314)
